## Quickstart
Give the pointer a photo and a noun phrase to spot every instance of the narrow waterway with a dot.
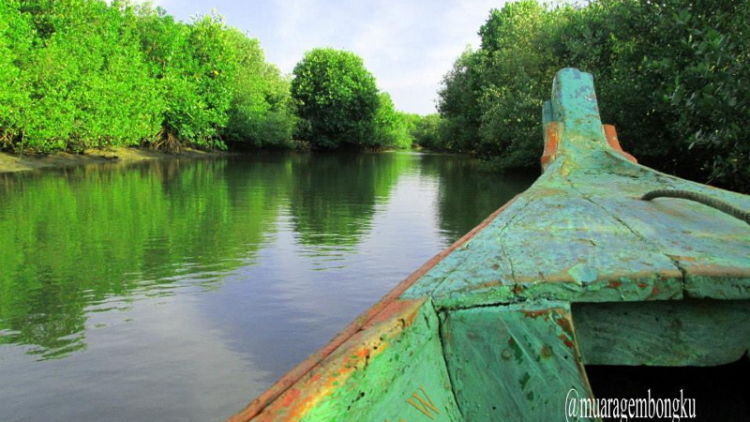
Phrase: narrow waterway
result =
(177, 291)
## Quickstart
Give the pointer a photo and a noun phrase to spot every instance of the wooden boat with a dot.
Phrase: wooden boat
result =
(577, 270)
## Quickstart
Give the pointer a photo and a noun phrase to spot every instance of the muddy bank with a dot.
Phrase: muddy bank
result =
(14, 163)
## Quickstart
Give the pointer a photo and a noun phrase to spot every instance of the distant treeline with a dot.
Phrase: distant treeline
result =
(672, 75)
(77, 74)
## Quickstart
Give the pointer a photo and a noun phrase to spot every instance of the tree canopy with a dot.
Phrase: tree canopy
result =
(336, 98)
(80, 74)
(77, 74)
(672, 75)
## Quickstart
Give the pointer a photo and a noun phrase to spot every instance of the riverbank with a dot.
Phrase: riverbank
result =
(10, 163)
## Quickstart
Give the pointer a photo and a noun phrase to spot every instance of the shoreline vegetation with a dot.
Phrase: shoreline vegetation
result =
(672, 76)
(77, 75)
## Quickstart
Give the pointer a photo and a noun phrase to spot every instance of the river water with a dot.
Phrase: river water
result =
(180, 290)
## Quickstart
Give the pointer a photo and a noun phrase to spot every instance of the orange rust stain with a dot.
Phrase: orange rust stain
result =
(684, 258)
(642, 285)
(565, 277)
(292, 405)
(611, 133)
(405, 309)
(362, 353)
(290, 397)
(543, 192)
(564, 323)
(718, 271)
(549, 278)
(567, 341)
(552, 140)
(615, 284)
(536, 314)
(654, 291)
(546, 351)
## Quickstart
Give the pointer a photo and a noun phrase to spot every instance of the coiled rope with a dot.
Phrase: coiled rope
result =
(703, 199)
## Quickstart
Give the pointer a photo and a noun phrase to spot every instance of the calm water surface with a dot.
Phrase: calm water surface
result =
(178, 291)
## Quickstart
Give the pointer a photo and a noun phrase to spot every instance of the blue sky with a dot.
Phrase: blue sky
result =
(408, 45)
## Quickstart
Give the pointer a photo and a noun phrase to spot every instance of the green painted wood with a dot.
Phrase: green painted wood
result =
(711, 248)
(675, 333)
(515, 362)
(408, 382)
(559, 246)
(582, 233)
(575, 107)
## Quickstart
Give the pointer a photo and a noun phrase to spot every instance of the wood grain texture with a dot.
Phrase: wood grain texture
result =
(671, 333)
(514, 362)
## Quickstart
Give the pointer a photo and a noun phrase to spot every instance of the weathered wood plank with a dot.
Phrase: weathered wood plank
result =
(513, 363)
(664, 333)
(711, 248)
(560, 246)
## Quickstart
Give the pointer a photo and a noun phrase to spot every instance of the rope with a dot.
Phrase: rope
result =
(703, 199)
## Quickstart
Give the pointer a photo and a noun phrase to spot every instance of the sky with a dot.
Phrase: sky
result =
(409, 45)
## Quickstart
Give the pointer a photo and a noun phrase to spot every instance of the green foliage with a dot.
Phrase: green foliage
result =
(16, 38)
(459, 104)
(76, 74)
(392, 127)
(519, 67)
(194, 65)
(427, 132)
(670, 74)
(336, 99)
(85, 77)
(262, 112)
(677, 83)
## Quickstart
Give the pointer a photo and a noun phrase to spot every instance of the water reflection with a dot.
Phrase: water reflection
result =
(75, 239)
(467, 194)
(156, 273)
(334, 195)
